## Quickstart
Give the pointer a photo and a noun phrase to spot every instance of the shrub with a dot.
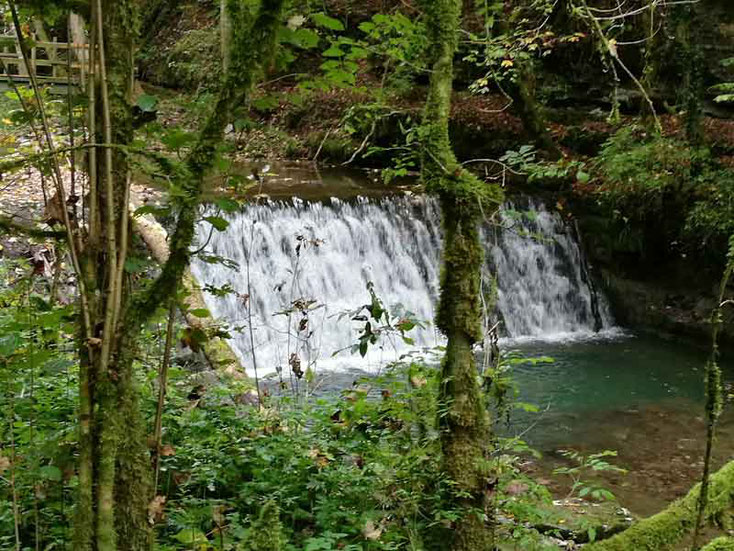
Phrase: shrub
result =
(661, 190)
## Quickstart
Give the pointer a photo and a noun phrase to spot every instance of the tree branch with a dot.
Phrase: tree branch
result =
(252, 47)
(11, 226)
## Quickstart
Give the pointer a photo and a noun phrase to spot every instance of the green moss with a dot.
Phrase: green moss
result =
(465, 200)
(192, 62)
(266, 533)
(723, 543)
(667, 528)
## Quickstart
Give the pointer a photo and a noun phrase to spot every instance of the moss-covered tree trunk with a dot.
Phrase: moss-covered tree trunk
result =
(690, 62)
(522, 91)
(114, 469)
(464, 422)
(668, 528)
(114, 465)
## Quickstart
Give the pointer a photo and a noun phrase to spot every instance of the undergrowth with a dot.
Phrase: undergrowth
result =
(356, 469)
(661, 191)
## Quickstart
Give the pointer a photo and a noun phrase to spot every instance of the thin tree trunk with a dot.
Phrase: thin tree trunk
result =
(714, 390)
(225, 28)
(107, 425)
(531, 114)
(522, 92)
(162, 383)
(13, 466)
(690, 63)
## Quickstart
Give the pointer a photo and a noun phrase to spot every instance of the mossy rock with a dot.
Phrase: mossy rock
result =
(569, 520)
(723, 543)
(193, 62)
(582, 521)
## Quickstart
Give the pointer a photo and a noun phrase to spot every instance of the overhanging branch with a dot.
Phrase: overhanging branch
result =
(9, 225)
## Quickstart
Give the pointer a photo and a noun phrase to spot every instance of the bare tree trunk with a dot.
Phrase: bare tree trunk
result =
(225, 28)
(218, 352)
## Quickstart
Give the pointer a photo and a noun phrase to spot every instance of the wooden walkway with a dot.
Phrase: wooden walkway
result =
(49, 62)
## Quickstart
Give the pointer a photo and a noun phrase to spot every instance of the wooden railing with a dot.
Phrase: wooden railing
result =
(49, 61)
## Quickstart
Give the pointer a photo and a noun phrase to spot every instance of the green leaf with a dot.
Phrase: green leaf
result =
(723, 87)
(176, 139)
(40, 304)
(266, 103)
(333, 51)
(49, 472)
(306, 39)
(150, 209)
(8, 345)
(190, 535)
(147, 103)
(227, 204)
(200, 312)
(323, 20)
(406, 325)
(357, 53)
(219, 223)
(582, 176)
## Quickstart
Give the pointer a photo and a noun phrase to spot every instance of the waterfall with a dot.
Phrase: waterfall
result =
(326, 252)
(544, 289)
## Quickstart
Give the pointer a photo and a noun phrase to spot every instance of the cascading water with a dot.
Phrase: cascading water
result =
(327, 252)
(543, 287)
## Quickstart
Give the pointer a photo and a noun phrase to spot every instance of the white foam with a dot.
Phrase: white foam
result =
(543, 294)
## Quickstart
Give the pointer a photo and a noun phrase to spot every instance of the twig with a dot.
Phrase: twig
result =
(58, 181)
(318, 151)
(162, 382)
(29, 114)
(13, 460)
(651, 5)
(363, 144)
(495, 161)
(282, 77)
(612, 50)
(70, 108)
